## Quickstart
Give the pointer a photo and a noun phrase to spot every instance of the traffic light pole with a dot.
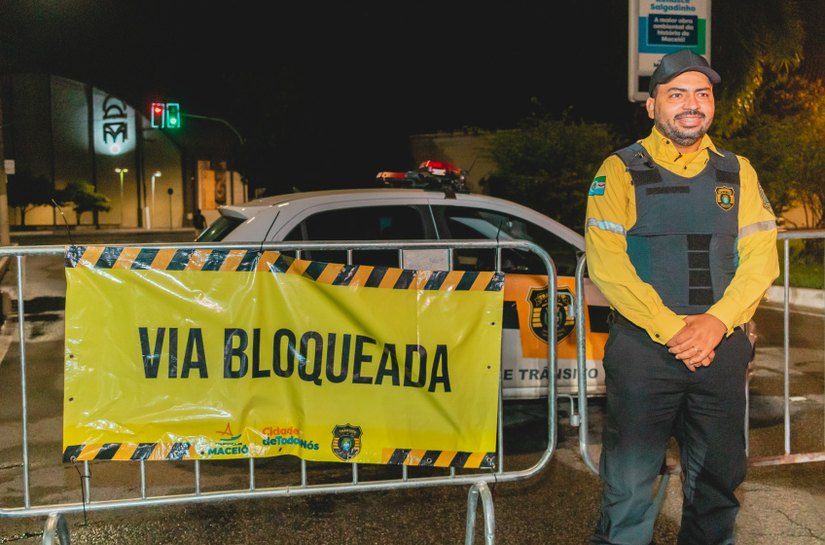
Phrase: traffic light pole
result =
(228, 125)
(219, 120)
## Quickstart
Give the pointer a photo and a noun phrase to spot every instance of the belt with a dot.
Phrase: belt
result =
(615, 318)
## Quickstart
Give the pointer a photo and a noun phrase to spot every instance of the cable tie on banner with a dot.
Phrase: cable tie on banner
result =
(82, 475)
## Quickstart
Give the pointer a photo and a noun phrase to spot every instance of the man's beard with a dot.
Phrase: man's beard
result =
(679, 136)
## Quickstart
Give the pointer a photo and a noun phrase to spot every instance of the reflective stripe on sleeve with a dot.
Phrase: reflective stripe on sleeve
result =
(606, 226)
(757, 227)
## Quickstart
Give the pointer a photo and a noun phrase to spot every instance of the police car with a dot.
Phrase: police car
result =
(433, 203)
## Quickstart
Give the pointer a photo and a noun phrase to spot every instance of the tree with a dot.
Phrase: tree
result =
(784, 142)
(27, 191)
(753, 52)
(84, 197)
(548, 165)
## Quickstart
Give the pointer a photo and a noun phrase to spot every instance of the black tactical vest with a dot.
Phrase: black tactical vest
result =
(684, 239)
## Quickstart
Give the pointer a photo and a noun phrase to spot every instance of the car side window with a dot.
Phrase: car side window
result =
(462, 222)
(361, 223)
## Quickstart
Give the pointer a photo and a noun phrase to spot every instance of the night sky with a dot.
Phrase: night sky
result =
(331, 92)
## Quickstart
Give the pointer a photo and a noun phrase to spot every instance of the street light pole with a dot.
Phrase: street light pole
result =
(5, 238)
(170, 191)
(121, 171)
(150, 211)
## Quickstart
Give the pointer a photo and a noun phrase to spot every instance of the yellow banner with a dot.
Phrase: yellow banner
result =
(213, 354)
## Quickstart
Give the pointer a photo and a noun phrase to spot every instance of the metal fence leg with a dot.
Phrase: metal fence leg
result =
(480, 488)
(56, 525)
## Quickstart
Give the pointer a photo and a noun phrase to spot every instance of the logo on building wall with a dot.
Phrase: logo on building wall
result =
(115, 127)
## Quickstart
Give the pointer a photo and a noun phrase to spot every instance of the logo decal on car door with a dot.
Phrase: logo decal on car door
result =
(565, 316)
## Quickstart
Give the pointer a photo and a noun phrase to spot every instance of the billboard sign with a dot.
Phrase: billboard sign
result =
(658, 27)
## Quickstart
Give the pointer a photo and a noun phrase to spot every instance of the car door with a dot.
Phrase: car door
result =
(524, 337)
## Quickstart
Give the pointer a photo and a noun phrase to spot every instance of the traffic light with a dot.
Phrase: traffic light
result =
(158, 114)
(165, 115)
(172, 115)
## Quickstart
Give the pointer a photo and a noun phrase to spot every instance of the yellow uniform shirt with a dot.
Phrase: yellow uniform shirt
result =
(611, 212)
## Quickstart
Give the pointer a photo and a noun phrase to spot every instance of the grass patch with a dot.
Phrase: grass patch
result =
(802, 275)
(806, 264)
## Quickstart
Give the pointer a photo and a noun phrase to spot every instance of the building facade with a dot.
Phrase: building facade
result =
(67, 131)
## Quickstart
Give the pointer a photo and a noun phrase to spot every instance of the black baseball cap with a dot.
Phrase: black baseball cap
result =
(680, 62)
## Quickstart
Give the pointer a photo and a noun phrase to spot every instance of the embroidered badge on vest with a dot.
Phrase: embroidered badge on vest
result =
(597, 187)
(724, 197)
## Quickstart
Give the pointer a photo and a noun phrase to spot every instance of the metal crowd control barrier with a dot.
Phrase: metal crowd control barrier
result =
(787, 457)
(296, 480)
(582, 420)
(56, 527)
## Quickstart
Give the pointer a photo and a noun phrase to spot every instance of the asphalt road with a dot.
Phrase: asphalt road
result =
(782, 505)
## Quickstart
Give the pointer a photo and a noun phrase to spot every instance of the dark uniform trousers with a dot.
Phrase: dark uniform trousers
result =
(652, 396)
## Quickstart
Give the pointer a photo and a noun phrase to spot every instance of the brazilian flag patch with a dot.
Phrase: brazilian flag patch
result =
(597, 187)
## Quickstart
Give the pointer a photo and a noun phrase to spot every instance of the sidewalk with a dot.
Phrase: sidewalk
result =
(87, 234)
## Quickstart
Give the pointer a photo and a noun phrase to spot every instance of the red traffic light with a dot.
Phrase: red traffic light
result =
(158, 115)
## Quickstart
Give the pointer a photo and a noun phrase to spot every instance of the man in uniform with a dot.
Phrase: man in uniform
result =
(681, 240)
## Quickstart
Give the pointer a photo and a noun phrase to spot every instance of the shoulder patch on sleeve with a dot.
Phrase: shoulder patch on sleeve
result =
(766, 203)
(597, 187)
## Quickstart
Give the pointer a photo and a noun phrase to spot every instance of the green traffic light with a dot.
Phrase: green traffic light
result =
(173, 115)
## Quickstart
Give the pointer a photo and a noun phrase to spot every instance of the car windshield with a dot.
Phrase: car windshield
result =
(219, 229)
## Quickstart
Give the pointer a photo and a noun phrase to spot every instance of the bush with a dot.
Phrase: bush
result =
(548, 165)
